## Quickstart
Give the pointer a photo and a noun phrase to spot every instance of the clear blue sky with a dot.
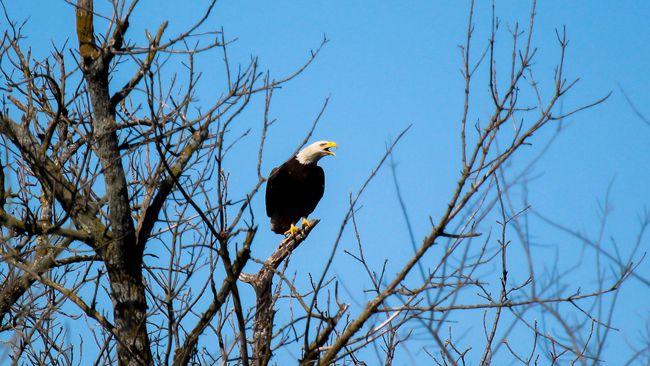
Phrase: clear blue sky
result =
(389, 65)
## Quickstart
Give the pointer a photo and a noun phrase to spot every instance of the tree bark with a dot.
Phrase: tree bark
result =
(122, 254)
(263, 323)
(262, 283)
(130, 313)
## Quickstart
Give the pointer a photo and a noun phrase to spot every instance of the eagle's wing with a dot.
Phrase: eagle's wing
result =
(275, 192)
(316, 188)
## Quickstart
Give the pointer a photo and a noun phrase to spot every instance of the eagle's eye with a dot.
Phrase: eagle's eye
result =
(323, 144)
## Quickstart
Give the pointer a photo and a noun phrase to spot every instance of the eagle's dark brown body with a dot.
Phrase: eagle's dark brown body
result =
(292, 192)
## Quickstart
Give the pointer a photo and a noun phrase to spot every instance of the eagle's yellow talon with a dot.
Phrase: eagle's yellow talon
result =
(293, 230)
(305, 223)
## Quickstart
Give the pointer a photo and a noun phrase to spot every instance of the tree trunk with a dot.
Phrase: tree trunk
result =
(123, 255)
(120, 252)
(129, 311)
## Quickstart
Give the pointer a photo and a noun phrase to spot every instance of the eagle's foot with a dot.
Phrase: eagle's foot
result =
(293, 230)
(305, 223)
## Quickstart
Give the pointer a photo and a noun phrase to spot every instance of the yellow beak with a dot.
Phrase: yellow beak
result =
(330, 145)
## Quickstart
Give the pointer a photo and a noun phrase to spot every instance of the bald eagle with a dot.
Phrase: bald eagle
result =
(295, 187)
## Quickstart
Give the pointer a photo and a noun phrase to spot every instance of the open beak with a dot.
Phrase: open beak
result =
(329, 146)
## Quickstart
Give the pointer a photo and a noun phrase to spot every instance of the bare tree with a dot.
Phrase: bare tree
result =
(117, 212)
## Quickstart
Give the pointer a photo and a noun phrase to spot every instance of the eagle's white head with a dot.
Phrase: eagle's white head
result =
(315, 151)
